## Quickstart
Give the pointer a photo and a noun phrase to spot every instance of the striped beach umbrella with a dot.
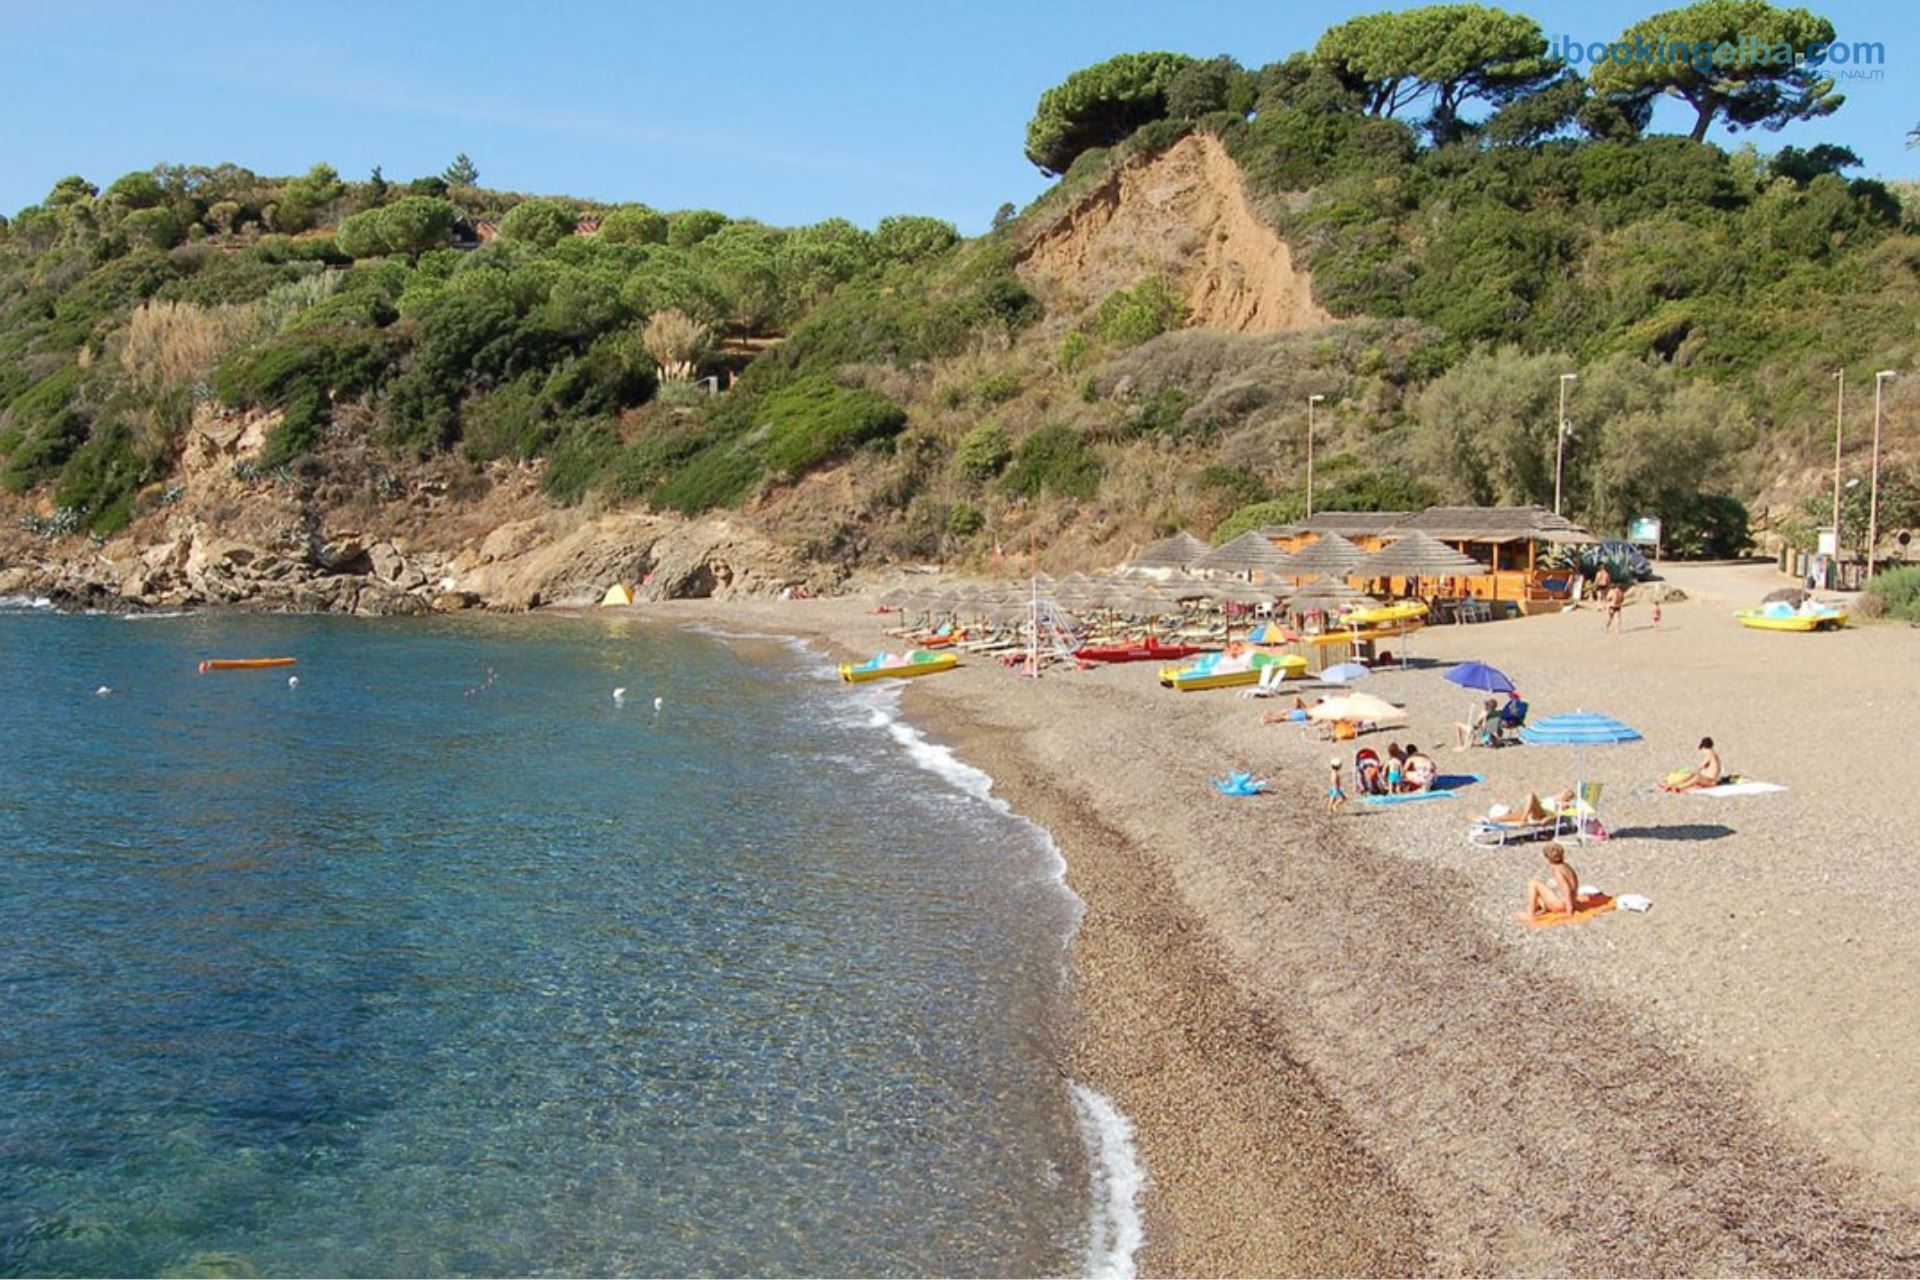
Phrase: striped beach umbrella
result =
(1578, 729)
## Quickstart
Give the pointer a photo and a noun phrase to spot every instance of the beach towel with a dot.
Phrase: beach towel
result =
(1589, 906)
(1240, 784)
(1443, 788)
(1744, 787)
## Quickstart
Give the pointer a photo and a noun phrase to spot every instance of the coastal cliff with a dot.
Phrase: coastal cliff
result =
(366, 534)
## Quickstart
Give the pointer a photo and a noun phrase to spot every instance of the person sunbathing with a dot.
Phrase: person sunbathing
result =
(1293, 714)
(1560, 893)
(1533, 810)
(1420, 771)
(1707, 773)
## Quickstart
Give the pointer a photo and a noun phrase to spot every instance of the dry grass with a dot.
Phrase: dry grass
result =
(170, 344)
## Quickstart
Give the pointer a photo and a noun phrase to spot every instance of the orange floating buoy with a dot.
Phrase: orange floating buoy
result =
(244, 664)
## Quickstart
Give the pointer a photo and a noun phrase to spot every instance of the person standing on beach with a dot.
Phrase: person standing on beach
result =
(1560, 893)
(1336, 796)
(1616, 602)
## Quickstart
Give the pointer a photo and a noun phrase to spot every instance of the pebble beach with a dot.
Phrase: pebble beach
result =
(1340, 1052)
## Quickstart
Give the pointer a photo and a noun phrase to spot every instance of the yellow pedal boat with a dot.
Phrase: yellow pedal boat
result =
(918, 662)
(1201, 673)
(1759, 621)
(1386, 615)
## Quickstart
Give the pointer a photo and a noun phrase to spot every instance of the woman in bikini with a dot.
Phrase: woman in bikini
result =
(1707, 773)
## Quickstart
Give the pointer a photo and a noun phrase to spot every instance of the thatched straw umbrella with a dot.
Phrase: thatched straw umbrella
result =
(1415, 555)
(1331, 557)
(1249, 553)
(1168, 555)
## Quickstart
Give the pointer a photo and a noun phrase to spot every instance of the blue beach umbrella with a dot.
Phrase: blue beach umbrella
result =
(1578, 729)
(1345, 673)
(1478, 675)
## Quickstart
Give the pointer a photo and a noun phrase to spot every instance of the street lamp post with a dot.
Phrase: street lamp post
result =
(1560, 442)
(1839, 417)
(1873, 485)
(1311, 401)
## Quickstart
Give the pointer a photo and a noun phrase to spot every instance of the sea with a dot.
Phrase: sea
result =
(430, 955)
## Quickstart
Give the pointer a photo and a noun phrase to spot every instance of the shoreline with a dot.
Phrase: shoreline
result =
(1323, 1085)
(1158, 1015)
(1337, 1053)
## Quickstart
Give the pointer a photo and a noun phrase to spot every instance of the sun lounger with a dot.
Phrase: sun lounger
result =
(1270, 681)
(1581, 820)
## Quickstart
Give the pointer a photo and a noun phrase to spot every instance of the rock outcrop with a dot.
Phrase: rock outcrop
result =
(229, 536)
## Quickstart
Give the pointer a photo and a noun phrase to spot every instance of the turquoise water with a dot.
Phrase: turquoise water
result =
(444, 962)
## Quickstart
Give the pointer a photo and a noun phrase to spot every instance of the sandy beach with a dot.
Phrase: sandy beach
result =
(1341, 1053)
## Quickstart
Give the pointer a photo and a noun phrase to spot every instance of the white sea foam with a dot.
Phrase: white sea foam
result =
(158, 615)
(1115, 1229)
(10, 604)
(1116, 1179)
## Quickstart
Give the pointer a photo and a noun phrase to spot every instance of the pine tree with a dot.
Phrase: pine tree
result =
(462, 172)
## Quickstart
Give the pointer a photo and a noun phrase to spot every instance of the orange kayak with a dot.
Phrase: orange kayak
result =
(244, 664)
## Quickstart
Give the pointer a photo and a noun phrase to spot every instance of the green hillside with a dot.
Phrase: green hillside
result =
(1479, 217)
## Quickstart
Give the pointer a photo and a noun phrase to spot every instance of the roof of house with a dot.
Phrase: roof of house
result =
(1497, 524)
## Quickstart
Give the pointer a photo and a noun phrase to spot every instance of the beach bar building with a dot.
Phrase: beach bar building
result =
(1510, 542)
(1506, 544)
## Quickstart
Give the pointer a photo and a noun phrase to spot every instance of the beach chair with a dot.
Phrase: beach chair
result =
(1493, 833)
(1271, 677)
(1580, 820)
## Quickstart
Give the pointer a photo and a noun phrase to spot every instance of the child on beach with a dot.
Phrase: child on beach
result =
(1335, 795)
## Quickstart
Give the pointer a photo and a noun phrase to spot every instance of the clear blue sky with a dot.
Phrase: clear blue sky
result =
(788, 112)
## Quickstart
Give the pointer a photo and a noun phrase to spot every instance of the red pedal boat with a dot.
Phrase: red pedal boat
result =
(1149, 650)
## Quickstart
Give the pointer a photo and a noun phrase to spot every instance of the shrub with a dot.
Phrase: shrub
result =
(506, 422)
(1053, 460)
(1258, 515)
(999, 388)
(719, 477)
(1129, 317)
(983, 452)
(1897, 591)
(1073, 349)
(964, 520)
(100, 480)
(815, 419)
(581, 456)
(46, 429)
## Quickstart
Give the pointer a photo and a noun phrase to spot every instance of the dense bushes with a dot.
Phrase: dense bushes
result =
(813, 419)
(1897, 591)
(1053, 460)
